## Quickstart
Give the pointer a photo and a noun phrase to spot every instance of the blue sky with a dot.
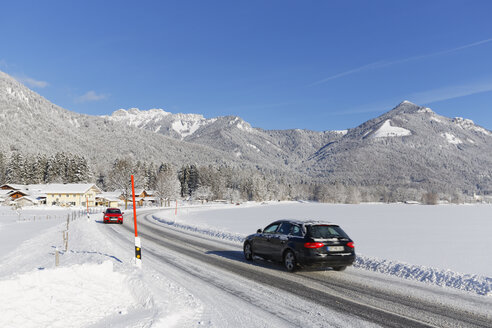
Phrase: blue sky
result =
(320, 65)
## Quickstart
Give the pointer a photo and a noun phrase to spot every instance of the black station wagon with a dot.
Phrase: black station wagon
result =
(302, 243)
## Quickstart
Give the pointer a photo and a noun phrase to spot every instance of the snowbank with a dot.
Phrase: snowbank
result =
(74, 296)
(439, 277)
(94, 285)
(211, 232)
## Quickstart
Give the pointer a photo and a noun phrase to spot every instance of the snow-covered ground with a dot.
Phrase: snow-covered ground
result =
(95, 283)
(446, 244)
(15, 225)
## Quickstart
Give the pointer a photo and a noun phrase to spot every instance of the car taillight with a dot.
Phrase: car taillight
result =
(350, 244)
(314, 245)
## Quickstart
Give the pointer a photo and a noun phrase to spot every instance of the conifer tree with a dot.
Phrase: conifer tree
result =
(3, 168)
(15, 168)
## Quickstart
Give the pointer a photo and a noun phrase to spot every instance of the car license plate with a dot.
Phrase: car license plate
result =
(114, 219)
(335, 248)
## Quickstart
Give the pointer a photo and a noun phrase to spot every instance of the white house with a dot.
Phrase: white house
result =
(71, 194)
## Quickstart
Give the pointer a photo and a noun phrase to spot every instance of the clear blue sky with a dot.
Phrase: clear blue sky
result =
(320, 65)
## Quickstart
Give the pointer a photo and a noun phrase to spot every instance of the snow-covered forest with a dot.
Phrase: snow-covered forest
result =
(202, 182)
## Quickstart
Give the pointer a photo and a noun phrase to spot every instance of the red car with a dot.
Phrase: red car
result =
(113, 215)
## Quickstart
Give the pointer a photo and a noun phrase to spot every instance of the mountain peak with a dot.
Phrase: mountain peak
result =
(408, 107)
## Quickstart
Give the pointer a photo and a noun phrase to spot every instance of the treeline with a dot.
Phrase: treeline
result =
(347, 194)
(40, 169)
(204, 182)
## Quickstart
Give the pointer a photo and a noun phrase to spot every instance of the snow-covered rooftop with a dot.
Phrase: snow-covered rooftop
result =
(71, 188)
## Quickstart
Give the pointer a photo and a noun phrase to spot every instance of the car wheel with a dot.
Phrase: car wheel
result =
(248, 252)
(339, 268)
(290, 261)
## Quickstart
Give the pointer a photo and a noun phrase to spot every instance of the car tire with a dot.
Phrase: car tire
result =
(248, 252)
(339, 268)
(290, 262)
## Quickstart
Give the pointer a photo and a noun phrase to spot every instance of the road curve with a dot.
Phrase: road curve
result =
(357, 295)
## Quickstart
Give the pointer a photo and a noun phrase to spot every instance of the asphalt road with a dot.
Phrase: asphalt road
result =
(374, 299)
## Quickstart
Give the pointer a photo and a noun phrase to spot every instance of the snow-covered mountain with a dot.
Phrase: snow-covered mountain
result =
(410, 146)
(31, 124)
(178, 126)
(230, 134)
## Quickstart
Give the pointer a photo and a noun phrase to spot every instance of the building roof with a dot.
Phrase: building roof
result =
(108, 198)
(115, 194)
(53, 188)
(13, 186)
(71, 188)
(24, 198)
(11, 192)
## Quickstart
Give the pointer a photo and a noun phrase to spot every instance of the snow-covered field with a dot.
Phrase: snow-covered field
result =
(446, 244)
(96, 284)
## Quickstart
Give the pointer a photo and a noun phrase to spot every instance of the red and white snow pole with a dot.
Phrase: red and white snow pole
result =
(138, 245)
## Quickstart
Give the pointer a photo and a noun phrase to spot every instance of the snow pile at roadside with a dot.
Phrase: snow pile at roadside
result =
(95, 284)
(64, 296)
(445, 278)
(214, 233)
(472, 283)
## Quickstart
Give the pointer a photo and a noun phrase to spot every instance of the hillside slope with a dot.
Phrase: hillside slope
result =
(231, 134)
(410, 146)
(32, 124)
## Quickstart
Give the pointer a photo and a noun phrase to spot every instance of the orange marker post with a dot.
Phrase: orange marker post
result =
(138, 245)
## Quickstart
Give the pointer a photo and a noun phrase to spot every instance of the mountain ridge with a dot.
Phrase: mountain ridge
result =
(409, 146)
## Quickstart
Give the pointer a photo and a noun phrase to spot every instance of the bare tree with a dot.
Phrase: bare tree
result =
(430, 198)
(203, 193)
(167, 185)
(119, 178)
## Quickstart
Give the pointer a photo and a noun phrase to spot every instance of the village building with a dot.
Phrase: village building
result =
(109, 199)
(12, 187)
(50, 194)
(14, 194)
(25, 201)
(71, 194)
(144, 197)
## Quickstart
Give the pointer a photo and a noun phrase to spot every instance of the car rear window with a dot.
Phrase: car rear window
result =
(113, 211)
(284, 228)
(326, 231)
(296, 231)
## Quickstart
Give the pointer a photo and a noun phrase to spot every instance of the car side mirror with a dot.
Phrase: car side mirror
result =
(258, 231)
(122, 213)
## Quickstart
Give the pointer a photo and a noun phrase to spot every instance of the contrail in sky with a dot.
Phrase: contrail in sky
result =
(381, 64)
